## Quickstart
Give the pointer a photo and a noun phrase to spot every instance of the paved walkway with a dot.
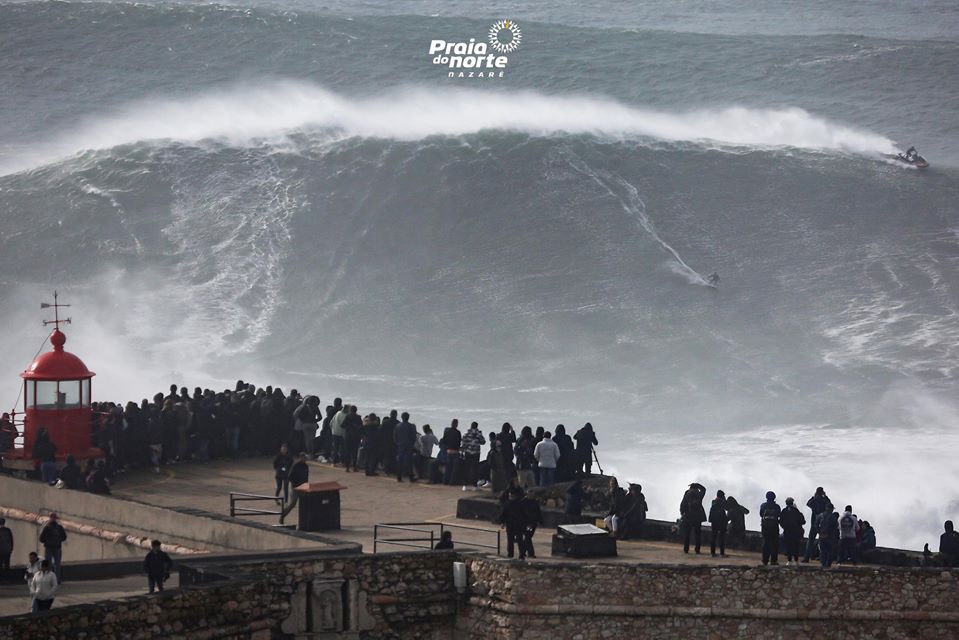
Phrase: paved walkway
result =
(365, 502)
(15, 598)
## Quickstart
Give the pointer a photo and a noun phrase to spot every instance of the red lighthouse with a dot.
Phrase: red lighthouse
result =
(56, 396)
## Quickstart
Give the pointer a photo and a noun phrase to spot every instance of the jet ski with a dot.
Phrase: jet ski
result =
(910, 157)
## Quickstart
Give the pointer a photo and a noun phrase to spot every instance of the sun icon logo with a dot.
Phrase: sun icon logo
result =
(505, 36)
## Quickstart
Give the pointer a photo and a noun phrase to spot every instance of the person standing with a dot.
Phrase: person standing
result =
(6, 545)
(52, 537)
(949, 545)
(566, 465)
(281, 470)
(306, 422)
(43, 587)
(634, 516)
(404, 438)
(769, 513)
(792, 521)
(718, 522)
(451, 441)
(157, 565)
(513, 519)
(828, 535)
(524, 458)
(533, 517)
(352, 430)
(693, 515)
(817, 504)
(848, 534)
(737, 521)
(473, 439)
(45, 452)
(575, 495)
(371, 443)
(585, 441)
(547, 454)
(424, 450)
(339, 434)
(299, 474)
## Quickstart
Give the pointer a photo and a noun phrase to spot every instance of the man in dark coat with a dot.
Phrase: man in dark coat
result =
(513, 519)
(817, 504)
(387, 447)
(769, 513)
(299, 474)
(451, 442)
(585, 441)
(792, 521)
(6, 545)
(949, 546)
(157, 565)
(404, 439)
(718, 520)
(566, 467)
(693, 515)
(533, 518)
(52, 537)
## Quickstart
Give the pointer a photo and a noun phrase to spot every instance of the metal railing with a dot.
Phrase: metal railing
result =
(431, 535)
(236, 496)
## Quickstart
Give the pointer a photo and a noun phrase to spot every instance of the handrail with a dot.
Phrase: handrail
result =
(408, 526)
(237, 496)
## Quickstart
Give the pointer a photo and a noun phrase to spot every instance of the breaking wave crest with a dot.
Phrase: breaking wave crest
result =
(243, 114)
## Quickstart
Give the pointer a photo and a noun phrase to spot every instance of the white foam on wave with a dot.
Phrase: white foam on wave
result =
(243, 114)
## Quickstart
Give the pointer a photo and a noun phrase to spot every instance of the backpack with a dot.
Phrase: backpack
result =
(847, 526)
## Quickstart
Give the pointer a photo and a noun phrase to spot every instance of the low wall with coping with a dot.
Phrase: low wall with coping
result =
(190, 528)
(584, 601)
(411, 595)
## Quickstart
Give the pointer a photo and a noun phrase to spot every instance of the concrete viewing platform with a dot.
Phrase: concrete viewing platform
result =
(368, 501)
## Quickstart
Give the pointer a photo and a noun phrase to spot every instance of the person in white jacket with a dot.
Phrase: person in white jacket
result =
(547, 455)
(43, 586)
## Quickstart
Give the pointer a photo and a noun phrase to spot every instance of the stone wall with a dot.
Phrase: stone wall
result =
(403, 595)
(585, 601)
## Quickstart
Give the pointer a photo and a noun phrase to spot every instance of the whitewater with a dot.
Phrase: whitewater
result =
(294, 195)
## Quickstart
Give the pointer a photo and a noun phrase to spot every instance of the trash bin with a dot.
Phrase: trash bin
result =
(319, 504)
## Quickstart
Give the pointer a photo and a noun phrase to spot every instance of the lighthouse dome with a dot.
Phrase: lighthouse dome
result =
(57, 364)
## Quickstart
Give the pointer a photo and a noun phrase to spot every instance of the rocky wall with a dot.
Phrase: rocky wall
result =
(584, 601)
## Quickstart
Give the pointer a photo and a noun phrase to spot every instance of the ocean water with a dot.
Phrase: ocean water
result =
(292, 193)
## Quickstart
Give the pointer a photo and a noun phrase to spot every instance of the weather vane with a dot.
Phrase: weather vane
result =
(56, 311)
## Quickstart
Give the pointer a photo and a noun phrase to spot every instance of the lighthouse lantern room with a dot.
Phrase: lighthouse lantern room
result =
(56, 396)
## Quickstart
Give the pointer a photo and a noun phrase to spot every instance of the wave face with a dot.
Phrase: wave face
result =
(333, 215)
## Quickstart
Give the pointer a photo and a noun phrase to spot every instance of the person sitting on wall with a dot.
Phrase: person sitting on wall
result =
(446, 541)
(949, 546)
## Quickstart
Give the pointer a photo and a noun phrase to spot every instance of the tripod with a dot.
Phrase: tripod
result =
(596, 459)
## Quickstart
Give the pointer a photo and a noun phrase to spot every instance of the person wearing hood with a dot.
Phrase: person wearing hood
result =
(585, 441)
(949, 545)
(792, 521)
(769, 513)
(281, 471)
(817, 504)
(497, 466)
(575, 495)
(718, 521)
(828, 526)
(306, 422)
(565, 467)
(737, 521)
(634, 515)
(352, 432)
(693, 515)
